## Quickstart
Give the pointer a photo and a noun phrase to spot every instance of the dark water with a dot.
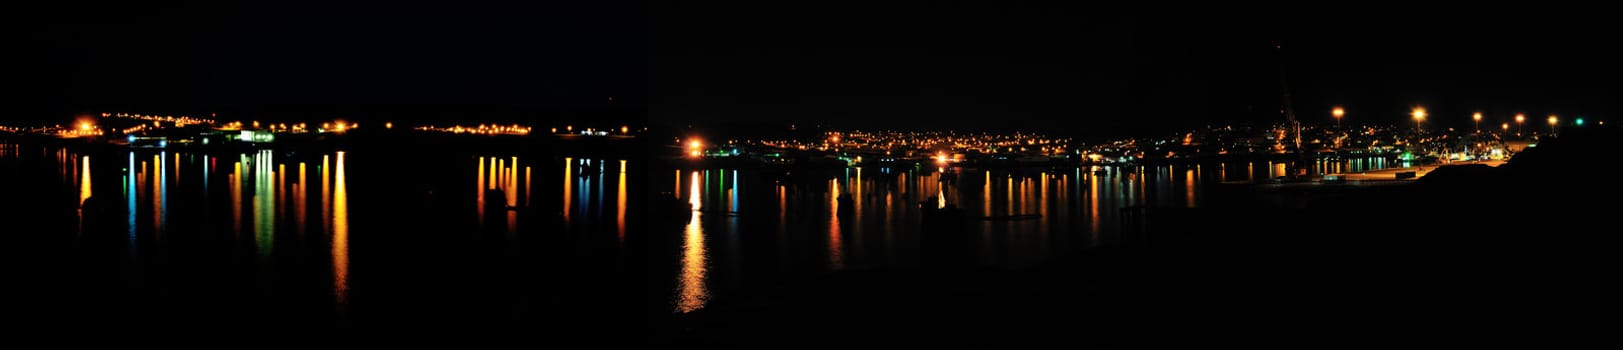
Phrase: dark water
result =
(400, 237)
(752, 231)
(413, 237)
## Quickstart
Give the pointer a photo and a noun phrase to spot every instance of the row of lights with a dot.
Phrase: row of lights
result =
(1419, 115)
(482, 129)
(570, 129)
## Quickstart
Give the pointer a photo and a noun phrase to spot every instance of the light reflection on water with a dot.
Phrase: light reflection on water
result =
(340, 235)
(272, 195)
(691, 290)
(1021, 217)
(286, 225)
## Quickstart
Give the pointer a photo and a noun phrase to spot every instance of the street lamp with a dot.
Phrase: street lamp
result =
(1505, 127)
(1419, 117)
(1337, 113)
(1477, 117)
(1519, 119)
(1553, 120)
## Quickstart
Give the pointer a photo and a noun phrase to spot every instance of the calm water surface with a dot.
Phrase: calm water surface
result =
(751, 230)
(390, 237)
(413, 237)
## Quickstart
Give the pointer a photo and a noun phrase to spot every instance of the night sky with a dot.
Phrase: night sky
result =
(315, 57)
(1095, 70)
(1082, 69)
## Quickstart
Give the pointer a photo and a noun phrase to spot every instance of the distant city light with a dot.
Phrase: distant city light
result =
(1578, 122)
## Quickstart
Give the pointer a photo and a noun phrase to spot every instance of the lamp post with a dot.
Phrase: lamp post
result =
(1419, 118)
(1337, 113)
(1553, 121)
(1477, 117)
(1419, 115)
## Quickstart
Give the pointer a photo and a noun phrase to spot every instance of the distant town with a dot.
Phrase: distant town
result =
(171, 131)
(1416, 143)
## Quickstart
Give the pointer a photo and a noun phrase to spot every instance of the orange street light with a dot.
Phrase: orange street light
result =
(1477, 117)
(1338, 113)
(1419, 115)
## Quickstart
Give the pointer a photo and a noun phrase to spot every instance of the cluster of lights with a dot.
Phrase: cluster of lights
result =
(570, 130)
(338, 126)
(284, 127)
(179, 121)
(482, 129)
(84, 129)
(298, 128)
(695, 148)
(133, 129)
(909, 143)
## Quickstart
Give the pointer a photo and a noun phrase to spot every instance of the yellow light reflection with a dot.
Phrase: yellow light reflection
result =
(620, 204)
(1009, 187)
(340, 235)
(281, 183)
(569, 178)
(236, 196)
(691, 291)
(1189, 187)
(84, 191)
(326, 195)
(986, 195)
(1042, 201)
(510, 188)
(1093, 202)
(157, 194)
(836, 258)
(783, 210)
(856, 213)
(298, 200)
(479, 193)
